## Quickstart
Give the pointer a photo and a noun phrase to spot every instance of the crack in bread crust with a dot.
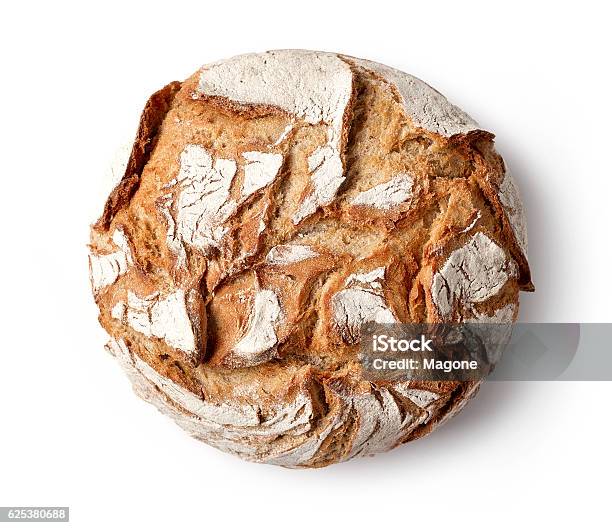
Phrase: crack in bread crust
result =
(152, 117)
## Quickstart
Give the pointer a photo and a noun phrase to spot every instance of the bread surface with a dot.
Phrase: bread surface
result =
(271, 205)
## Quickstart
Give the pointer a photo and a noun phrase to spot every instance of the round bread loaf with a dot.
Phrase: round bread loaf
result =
(271, 205)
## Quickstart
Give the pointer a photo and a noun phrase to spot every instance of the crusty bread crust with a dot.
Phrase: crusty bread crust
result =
(154, 112)
(272, 204)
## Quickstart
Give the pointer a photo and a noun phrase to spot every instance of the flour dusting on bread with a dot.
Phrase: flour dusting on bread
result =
(260, 338)
(105, 269)
(472, 274)
(386, 195)
(362, 301)
(289, 254)
(203, 200)
(427, 108)
(260, 170)
(164, 317)
(511, 200)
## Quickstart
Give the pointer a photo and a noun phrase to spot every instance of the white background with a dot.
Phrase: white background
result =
(74, 78)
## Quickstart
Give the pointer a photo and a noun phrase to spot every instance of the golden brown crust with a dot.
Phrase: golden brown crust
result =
(270, 307)
(152, 117)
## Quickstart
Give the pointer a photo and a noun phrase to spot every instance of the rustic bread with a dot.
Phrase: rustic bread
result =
(272, 204)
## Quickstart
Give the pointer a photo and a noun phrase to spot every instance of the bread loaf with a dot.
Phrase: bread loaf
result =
(271, 205)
